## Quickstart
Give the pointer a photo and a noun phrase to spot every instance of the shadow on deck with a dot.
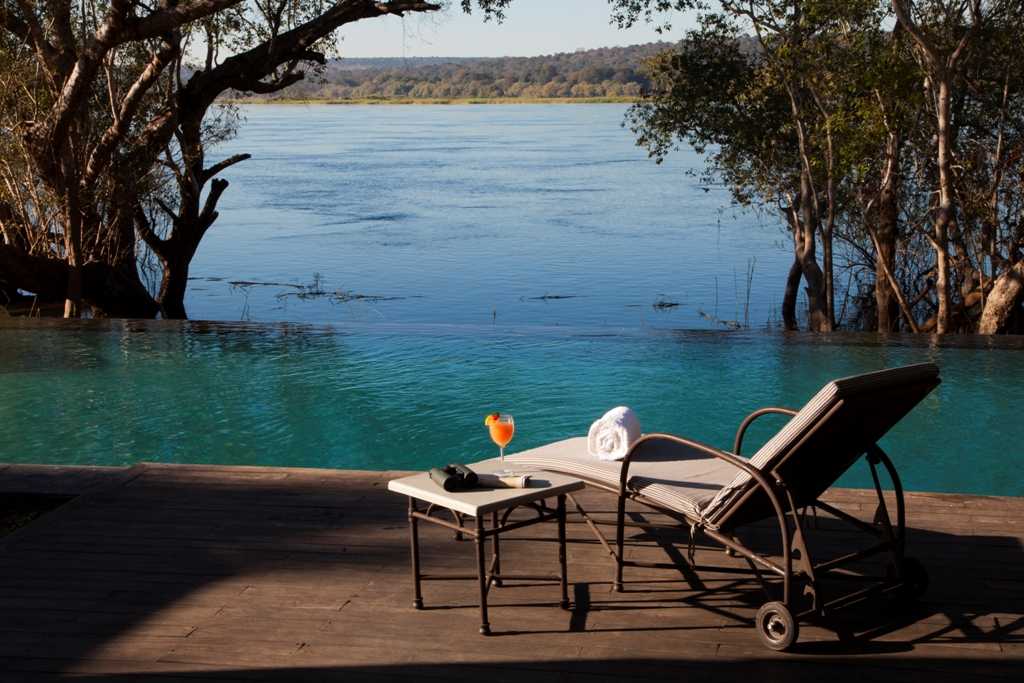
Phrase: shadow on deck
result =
(210, 573)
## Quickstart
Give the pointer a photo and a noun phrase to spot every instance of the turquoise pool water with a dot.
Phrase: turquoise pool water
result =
(401, 397)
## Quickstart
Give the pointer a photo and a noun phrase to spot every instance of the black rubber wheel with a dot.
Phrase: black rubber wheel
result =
(914, 577)
(776, 626)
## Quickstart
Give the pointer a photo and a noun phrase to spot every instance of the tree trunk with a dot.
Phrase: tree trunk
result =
(1006, 295)
(886, 234)
(172, 288)
(194, 217)
(115, 292)
(817, 298)
(73, 247)
(944, 216)
(885, 302)
(941, 70)
(830, 223)
(73, 300)
(817, 302)
(829, 286)
(789, 320)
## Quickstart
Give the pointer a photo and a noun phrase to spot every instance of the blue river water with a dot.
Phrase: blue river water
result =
(478, 214)
(381, 396)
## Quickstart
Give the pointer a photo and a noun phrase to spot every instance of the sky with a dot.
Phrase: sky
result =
(531, 27)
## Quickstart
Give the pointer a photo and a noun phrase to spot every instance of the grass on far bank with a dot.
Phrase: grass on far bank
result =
(435, 100)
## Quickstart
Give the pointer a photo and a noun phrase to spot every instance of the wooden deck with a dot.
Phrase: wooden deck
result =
(212, 573)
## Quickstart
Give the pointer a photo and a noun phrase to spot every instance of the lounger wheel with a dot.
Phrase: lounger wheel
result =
(776, 626)
(914, 577)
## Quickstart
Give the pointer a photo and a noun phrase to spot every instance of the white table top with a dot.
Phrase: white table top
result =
(481, 501)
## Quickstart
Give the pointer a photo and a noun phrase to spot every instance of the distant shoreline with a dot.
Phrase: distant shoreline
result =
(434, 100)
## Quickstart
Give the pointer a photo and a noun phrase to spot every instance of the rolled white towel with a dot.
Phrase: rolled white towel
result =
(611, 437)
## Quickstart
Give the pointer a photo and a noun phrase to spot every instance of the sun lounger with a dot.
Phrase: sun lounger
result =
(715, 493)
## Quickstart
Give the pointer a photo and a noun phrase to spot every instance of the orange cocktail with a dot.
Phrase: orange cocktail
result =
(502, 433)
(502, 428)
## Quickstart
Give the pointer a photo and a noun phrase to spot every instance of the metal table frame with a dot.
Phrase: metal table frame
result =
(486, 576)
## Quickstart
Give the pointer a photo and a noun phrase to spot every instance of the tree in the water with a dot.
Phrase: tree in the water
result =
(969, 56)
(106, 113)
(889, 134)
(758, 106)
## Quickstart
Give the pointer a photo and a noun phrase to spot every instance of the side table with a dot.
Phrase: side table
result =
(496, 504)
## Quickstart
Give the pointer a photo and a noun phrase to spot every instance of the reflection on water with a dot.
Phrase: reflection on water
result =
(389, 397)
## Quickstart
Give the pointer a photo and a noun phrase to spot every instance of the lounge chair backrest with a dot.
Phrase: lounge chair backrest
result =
(824, 439)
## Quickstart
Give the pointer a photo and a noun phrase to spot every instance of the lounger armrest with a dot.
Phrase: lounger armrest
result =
(772, 489)
(749, 419)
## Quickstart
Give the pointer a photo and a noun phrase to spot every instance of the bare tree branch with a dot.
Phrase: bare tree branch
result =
(145, 230)
(172, 17)
(220, 166)
(103, 152)
(48, 54)
(903, 16)
(209, 213)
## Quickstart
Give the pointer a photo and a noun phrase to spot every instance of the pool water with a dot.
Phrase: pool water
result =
(408, 397)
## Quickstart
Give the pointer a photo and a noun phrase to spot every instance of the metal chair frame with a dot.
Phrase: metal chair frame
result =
(796, 562)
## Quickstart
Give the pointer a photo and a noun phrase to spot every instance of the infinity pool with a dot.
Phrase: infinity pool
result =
(379, 397)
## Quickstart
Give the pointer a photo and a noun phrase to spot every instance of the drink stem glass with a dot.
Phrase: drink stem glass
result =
(502, 430)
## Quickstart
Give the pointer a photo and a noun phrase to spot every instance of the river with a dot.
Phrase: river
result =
(504, 214)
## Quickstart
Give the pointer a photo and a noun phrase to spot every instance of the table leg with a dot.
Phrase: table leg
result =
(485, 627)
(564, 604)
(496, 547)
(414, 543)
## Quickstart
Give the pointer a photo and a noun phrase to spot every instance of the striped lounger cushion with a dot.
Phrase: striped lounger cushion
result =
(833, 392)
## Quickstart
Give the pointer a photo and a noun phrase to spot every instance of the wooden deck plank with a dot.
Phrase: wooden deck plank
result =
(236, 574)
(56, 479)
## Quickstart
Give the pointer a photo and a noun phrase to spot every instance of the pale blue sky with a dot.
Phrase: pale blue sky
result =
(531, 27)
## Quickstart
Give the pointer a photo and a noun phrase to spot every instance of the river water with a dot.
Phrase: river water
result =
(507, 214)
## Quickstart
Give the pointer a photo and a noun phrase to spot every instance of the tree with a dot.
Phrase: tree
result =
(109, 123)
(988, 118)
(962, 48)
(752, 103)
(877, 130)
(821, 118)
(942, 64)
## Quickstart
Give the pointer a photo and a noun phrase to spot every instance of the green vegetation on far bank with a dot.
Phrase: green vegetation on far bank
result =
(604, 74)
(431, 100)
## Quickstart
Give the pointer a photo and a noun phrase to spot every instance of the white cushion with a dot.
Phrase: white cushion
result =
(673, 475)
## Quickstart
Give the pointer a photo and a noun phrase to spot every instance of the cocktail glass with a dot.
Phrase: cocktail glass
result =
(502, 428)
